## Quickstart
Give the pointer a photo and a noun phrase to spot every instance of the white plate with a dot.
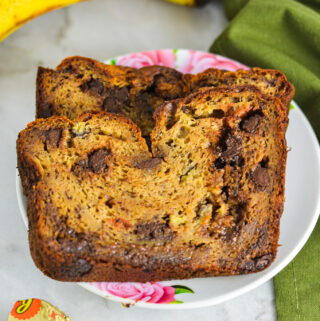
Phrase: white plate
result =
(300, 214)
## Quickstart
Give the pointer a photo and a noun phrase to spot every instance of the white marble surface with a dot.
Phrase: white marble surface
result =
(100, 29)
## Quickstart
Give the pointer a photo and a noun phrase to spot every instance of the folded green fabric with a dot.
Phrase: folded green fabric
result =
(297, 287)
(284, 35)
(232, 7)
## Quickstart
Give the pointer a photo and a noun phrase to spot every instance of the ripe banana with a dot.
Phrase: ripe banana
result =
(15, 13)
(191, 3)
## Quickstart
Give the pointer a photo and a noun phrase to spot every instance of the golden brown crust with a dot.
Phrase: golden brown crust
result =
(82, 84)
(274, 78)
(207, 201)
(44, 108)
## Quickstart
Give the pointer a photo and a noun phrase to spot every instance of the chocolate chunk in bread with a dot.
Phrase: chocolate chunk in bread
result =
(78, 269)
(115, 100)
(251, 122)
(263, 261)
(54, 136)
(153, 231)
(231, 147)
(93, 85)
(260, 177)
(96, 160)
(149, 163)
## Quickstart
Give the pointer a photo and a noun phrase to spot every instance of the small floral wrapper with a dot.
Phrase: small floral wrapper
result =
(36, 310)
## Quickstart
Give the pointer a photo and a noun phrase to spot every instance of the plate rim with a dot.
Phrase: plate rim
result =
(234, 293)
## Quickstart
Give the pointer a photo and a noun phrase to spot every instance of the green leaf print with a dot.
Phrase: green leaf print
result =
(176, 302)
(182, 289)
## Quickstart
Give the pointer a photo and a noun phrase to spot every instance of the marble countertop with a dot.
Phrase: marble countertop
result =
(100, 29)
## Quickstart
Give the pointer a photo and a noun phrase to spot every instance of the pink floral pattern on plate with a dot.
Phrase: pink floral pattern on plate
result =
(196, 61)
(151, 292)
(186, 61)
(148, 58)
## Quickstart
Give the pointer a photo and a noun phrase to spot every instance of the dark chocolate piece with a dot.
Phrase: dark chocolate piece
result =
(154, 231)
(260, 178)
(251, 123)
(263, 261)
(93, 85)
(171, 109)
(96, 160)
(115, 100)
(53, 136)
(149, 163)
(94, 163)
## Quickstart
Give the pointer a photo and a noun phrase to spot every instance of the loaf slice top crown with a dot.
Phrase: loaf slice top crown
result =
(81, 84)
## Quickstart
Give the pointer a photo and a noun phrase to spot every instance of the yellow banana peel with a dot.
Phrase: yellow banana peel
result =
(190, 3)
(183, 2)
(15, 13)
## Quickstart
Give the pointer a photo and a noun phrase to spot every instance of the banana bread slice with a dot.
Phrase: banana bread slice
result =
(81, 84)
(207, 201)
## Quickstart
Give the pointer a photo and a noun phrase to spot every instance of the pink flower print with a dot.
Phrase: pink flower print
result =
(195, 62)
(151, 292)
(148, 58)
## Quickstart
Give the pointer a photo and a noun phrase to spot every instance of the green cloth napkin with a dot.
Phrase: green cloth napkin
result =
(232, 7)
(284, 35)
(297, 287)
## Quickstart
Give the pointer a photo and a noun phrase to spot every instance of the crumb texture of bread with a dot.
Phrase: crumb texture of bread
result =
(205, 200)
(82, 84)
